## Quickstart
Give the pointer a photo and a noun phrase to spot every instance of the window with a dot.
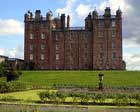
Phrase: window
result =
(31, 56)
(101, 45)
(42, 56)
(114, 55)
(71, 54)
(85, 37)
(31, 36)
(100, 34)
(113, 33)
(56, 47)
(43, 25)
(57, 56)
(101, 55)
(31, 26)
(113, 23)
(86, 55)
(71, 46)
(71, 58)
(71, 35)
(56, 37)
(57, 68)
(113, 45)
(31, 47)
(42, 47)
(42, 35)
(100, 22)
(86, 60)
(86, 45)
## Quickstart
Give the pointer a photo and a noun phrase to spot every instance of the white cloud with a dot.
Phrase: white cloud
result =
(11, 27)
(13, 52)
(130, 43)
(83, 10)
(68, 9)
(132, 61)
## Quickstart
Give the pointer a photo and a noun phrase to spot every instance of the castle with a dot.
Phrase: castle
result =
(52, 44)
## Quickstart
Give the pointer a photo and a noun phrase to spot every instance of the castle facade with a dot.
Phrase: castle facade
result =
(52, 44)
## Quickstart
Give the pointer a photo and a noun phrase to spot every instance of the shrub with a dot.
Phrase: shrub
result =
(11, 86)
(137, 99)
(121, 99)
(3, 87)
(13, 75)
(44, 96)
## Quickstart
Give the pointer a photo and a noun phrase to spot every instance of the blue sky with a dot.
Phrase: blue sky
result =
(12, 22)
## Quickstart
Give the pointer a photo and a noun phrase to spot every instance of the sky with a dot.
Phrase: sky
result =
(12, 22)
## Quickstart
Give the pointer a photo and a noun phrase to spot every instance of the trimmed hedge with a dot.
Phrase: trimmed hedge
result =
(90, 98)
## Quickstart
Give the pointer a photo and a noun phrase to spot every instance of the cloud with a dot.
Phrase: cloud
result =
(17, 52)
(11, 27)
(132, 61)
(82, 10)
(130, 43)
(68, 9)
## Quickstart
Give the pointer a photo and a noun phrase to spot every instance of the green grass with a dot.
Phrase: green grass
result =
(31, 95)
(81, 78)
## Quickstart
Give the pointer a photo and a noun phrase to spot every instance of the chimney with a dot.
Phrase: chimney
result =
(62, 21)
(68, 21)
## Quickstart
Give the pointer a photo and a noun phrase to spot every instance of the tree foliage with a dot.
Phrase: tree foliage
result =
(3, 69)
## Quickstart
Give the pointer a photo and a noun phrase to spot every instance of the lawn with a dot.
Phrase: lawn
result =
(31, 95)
(73, 78)
(81, 78)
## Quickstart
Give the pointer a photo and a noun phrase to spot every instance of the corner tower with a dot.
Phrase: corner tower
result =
(107, 40)
(37, 42)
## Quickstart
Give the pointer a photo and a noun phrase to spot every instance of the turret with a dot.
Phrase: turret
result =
(107, 16)
(62, 21)
(68, 21)
(119, 13)
(49, 15)
(107, 12)
(28, 16)
(88, 22)
(57, 23)
(37, 15)
(95, 14)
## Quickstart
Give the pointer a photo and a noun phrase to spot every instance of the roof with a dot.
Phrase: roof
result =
(102, 17)
(3, 56)
(14, 59)
(70, 29)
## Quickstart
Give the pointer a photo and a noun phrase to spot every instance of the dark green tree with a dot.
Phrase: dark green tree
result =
(3, 69)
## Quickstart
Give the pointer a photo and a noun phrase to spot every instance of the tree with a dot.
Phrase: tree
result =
(7, 71)
(3, 69)
(31, 65)
(12, 75)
